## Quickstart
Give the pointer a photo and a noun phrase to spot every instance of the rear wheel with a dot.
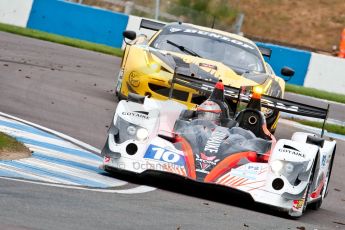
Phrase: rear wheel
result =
(272, 121)
(272, 118)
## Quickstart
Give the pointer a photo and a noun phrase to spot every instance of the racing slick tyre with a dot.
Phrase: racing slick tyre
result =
(306, 195)
(316, 205)
(329, 173)
(272, 121)
(309, 189)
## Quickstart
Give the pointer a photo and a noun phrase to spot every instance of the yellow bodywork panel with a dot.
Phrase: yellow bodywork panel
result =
(145, 72)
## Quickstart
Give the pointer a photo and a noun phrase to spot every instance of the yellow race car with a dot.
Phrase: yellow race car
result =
(148, 65)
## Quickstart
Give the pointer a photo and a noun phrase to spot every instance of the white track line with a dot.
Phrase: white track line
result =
(32, 175)
(85, 174)
(66, 137)
(28, 135)
(137, 190)
(64, 156)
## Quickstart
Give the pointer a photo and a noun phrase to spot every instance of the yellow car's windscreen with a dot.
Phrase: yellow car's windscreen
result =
(238, 55)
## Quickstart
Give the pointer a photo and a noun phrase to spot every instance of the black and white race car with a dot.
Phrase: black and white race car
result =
(212, 145)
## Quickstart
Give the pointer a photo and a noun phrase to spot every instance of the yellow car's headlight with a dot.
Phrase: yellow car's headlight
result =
(155, 66)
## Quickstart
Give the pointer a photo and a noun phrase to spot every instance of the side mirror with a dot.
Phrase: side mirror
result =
(287, 72)
(129, 34)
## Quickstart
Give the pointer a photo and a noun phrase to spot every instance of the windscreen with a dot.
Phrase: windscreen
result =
(236, 54)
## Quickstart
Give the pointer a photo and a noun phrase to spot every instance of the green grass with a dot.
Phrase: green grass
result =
(60, 39)
(315, 93)
(10, 144)
(332, 128)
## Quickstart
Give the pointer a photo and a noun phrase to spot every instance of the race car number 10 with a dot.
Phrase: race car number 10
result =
(161, 154)
(166, 156)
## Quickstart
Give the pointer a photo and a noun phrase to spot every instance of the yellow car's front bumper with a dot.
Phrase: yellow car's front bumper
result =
(156, 87)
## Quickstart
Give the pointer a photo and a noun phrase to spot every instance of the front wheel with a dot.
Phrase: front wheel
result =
(329, 172)
(316, 205)
(300, 206)
(309, 187)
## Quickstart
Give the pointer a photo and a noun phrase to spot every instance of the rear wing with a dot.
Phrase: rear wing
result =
(151, 25)
(236, 94)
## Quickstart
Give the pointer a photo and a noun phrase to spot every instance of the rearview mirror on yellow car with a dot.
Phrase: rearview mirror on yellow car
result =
(129, 34)
(287, 72)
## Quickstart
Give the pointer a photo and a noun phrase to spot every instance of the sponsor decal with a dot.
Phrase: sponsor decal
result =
(244, 174)
(206, 162)
(214, 141)
(324, 160)
(298, 204)
(142, 112)
(208, 66)
(173, 30)
(106, 159)
(246, 98)
(291, 150)
(254, 168)
(136, 114)
(249, 172)
(161, 154)
(134, 79)
(212, 35)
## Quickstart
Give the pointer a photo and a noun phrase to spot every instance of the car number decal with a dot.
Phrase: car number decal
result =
(161, 154)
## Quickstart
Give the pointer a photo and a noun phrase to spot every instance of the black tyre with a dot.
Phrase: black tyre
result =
(309, 189)
(316, 205)
(330, 170)
(271, 120)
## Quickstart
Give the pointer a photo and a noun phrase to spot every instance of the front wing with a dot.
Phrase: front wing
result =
(254, 179)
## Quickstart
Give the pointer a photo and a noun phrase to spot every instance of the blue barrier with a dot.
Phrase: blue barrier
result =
(294, 58)
(78, 21)
(105, 27)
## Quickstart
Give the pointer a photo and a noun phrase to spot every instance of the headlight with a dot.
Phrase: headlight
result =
(282, 167)
(142, 134)
(155, 66)
(288, 168)
(258, 89)
(277, 166)
(131, 130)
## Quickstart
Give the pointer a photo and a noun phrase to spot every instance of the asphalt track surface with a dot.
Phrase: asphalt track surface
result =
(70, 90)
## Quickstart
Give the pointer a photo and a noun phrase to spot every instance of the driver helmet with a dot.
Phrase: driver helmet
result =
(209, 110)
